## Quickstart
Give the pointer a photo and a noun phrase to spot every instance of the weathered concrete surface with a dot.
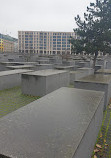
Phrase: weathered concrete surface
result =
(97, 67)
(96, 82)
(40, 83)
(21, 67)
(11, 78)
(62, 67)
(104, 71)
(43, 66)
(64, 123)
(108, 64)
(84, 64)
(75, 75)
(17, 63)
(88, 71)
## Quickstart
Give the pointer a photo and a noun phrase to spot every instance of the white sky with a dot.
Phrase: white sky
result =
(40, 15)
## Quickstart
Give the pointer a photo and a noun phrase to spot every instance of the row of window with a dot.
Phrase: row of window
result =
(43, 33)
(46, 48)
(54, 42)
(44, 37)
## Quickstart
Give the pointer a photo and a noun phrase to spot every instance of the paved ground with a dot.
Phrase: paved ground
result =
(12, 99)
(103, 144)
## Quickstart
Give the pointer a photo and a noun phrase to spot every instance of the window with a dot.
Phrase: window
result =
(63, 39)
(63, 42)
(63, 36)
(68, 45)
(59, 39)
(54, 45)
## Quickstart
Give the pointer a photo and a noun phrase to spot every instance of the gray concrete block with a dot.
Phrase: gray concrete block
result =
(68, 63)
(30, 67)
(88, 71)
(104, 71)
(64, 123)
(96, 82)
(11, 78)
(40, 83)
(84, 64)
(63, 67)
(43, 66)
(97, 67)
(75, 75)
(108, 64)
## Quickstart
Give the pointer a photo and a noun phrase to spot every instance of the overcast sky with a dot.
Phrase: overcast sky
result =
(40, 15)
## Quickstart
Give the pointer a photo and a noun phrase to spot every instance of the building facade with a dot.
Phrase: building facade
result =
(7, 43)
(44, 42)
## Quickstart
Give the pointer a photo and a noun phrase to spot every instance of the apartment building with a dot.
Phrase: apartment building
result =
(1, 45)
(44, 42)
(7, 43)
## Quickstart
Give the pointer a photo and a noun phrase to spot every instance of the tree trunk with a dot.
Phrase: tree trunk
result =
(94, 61)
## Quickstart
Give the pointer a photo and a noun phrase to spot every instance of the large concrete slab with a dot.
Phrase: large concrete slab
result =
(96, 82)
(84, 64)
(104, 71)
(108, 64)
(43, 66)
(40, 83)
(17, 63)
(30, 67)
(45, 61)
(88, 71)
(63, 67)
(62, 124)
(97, 67)
(11, 78)
(75, 75)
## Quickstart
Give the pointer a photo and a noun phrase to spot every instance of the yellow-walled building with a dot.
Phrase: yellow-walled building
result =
(1, 45)
(7, 43)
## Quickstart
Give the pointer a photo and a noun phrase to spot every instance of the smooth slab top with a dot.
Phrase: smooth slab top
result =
(97, 78)
(99, 65)
(85, 68)
(10, 63)
(62, 66)
(20, 66)
(46, 72)
(44, 64)
(104, 70)
(82, 62)
(51, 127)
(12, 72)
(76, 72)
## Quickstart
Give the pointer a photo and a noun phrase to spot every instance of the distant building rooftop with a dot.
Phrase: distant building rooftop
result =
(7, 37)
